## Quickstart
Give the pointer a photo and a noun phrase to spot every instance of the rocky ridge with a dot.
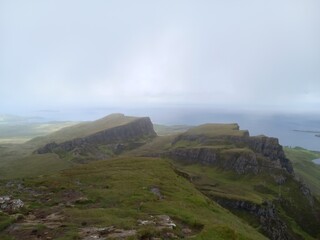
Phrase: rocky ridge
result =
(242, 154)
(116, 140)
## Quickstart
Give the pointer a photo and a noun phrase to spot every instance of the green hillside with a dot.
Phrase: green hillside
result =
(19, 160)
(215, 130)
(121, 192)
(163, 130)
(268, 189)
(308, 171)
(255, 191)
(83, 129)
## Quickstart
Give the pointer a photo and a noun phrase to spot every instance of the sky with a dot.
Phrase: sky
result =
(236, 55)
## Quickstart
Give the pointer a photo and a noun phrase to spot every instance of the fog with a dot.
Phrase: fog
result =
(253, 56)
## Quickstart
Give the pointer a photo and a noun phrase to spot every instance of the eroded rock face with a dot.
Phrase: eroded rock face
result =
(266, 153)
(266, 214)
(194, 155)
(114, 137)
(270, 148)
(243, 162)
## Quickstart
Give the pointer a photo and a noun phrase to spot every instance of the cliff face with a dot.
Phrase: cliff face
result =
(266, 215)
(241, 162)
(117, 139)
(243, 154)
(270, 148)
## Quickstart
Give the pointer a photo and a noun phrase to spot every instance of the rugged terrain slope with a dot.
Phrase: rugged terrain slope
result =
(213, 181)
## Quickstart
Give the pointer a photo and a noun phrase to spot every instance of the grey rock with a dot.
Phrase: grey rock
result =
(268, 150)
(156, 191)
(269, 220)
(7, 204)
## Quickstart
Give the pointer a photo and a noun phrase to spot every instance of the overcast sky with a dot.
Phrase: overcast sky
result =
(233, 54)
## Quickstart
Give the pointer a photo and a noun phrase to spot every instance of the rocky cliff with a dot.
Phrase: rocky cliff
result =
(266, 216)
(129, 135)
(268, 147)
(241, 161)
(261, 158)
(238, 152)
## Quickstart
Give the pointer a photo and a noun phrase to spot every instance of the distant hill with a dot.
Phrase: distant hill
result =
(117, 134)
(83, 129)
(15, 157)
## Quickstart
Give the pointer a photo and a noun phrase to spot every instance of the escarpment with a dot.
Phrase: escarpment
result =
(241, 162)
(249, 175)
(231, 150)
(269, 147)
(265, 214)
(110, 141)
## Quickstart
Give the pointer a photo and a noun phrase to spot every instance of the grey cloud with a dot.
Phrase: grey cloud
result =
(238, 54)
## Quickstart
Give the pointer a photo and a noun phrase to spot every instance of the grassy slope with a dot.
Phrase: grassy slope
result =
(229, 185)
(17, 160)
(83, 129)
(163, 130)
(119, 194)
(304, 167)
(215, 130)
(34, 165)
(22, 132)
(216, 183)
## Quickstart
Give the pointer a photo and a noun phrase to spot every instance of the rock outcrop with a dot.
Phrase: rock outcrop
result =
(241, 162)
(266, 215)
(269, 147)
(9, 205)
